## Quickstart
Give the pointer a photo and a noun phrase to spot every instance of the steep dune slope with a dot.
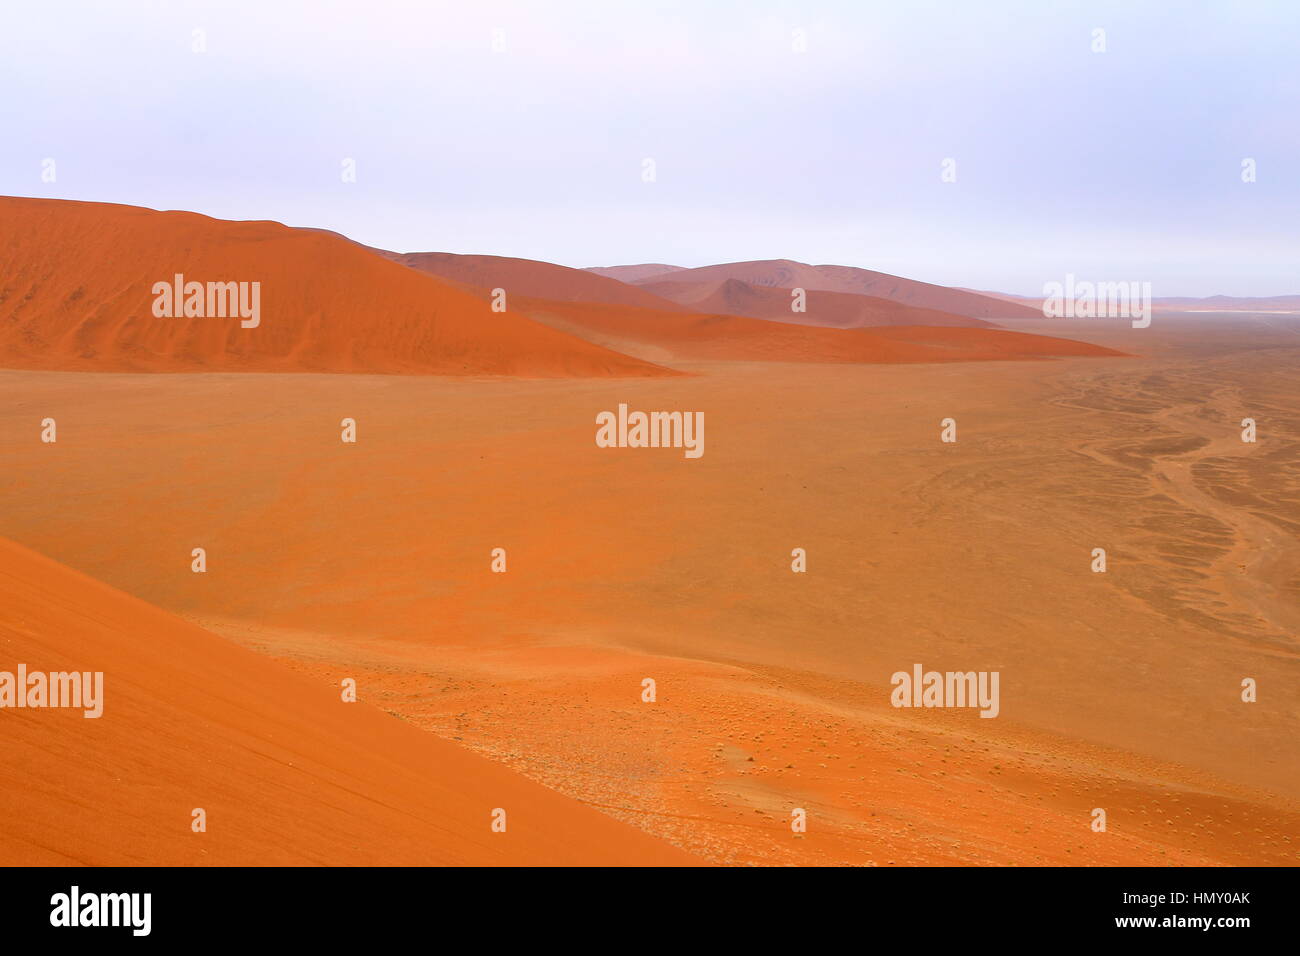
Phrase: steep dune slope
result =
(788, 274)
(838, 310)
(76, 293)
(286, 772)
(667, 336)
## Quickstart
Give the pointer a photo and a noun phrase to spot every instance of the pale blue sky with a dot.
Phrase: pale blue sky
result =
(1117, 165)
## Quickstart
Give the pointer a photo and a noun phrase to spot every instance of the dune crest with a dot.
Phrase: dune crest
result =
(77, 294)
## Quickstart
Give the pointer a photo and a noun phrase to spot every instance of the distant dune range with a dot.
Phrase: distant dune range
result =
(788, 274)
(286, 772)
(75, 294)
(77, 279)
(546, 280)
(839, 310)
(730, 320)
(671, 336)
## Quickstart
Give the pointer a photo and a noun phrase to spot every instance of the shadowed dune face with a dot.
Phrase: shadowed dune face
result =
(839, 310)
(787, 274)
(672, 336)
(285, 771)
(76, 292)
(528, 277)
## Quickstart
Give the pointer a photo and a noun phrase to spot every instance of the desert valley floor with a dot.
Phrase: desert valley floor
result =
(372, 561)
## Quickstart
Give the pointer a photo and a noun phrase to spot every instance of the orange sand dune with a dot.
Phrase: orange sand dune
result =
(543, 280)
(286, 772)
(839, 310)
(76, 294)
(787, 274)
(635, 273)
(668, 336)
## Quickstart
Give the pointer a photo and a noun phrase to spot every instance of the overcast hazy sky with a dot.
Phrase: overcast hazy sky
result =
(1125, 164)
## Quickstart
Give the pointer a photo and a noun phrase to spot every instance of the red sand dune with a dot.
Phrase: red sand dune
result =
(76, 283)
(665, 336)
(635, 273)
(838, 310)
(542, 280)
(286, 772)
(787, 274)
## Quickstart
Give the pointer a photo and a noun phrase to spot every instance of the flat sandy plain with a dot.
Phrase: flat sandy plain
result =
(1118, 690)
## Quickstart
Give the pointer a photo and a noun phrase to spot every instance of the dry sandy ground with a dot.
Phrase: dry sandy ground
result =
(206, 753)
(1119, 690)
